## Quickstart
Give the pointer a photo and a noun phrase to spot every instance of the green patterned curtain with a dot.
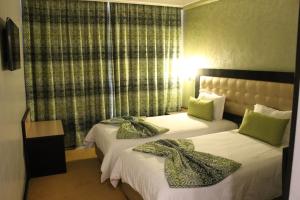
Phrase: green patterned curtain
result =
(146, 46)
(86, 61)
(66, 65)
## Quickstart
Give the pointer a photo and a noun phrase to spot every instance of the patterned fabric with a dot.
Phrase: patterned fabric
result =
(134, 127)
(81, 67)
(186, 168)
(66, 68)
(146, 45)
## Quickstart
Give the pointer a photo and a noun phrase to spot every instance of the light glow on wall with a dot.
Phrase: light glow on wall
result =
(188, 67)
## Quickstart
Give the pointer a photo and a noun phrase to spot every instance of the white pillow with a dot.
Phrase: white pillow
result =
(219, 102)
(277, 114)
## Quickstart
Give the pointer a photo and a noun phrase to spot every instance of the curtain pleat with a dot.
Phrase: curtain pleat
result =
(66, 68)
(146, 45)
(86, 61)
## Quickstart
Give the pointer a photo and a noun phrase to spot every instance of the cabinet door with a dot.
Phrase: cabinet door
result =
(46, 156)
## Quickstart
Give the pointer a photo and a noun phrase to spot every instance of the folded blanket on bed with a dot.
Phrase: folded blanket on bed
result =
(186, 168)
(135, 127)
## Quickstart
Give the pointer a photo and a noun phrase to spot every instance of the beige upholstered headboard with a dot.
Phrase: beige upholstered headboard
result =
(241, 94)
(244, 92)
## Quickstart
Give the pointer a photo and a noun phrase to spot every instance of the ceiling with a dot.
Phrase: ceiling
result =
(176, 3)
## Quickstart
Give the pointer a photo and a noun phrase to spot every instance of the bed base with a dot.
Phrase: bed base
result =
(99, 154)
(130, 193)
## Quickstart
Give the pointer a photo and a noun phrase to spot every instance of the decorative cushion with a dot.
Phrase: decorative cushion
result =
(218, 101)
(263, 127)
(277, 114)
(202, 109)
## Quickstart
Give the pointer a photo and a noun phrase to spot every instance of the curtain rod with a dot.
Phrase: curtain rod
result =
(139, 2)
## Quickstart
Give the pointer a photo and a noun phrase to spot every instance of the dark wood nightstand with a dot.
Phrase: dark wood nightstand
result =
(45, 148)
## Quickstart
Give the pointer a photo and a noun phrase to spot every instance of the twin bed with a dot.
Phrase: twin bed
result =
(142, 175)
(258, 178)
(181, 125)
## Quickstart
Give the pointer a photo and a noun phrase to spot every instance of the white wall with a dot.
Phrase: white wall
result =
(295, 180)
(12, 107)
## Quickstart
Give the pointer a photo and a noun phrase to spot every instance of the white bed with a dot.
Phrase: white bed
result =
(258, 178)
(181, 125)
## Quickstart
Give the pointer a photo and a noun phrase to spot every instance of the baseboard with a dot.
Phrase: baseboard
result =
(26, 188)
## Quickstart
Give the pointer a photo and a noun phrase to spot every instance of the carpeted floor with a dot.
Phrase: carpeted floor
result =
(82, 181)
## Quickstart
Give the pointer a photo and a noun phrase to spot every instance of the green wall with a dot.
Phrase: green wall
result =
(241, 34)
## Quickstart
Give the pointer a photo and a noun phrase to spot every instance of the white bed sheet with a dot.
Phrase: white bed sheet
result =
(181, 125)
(258, 178)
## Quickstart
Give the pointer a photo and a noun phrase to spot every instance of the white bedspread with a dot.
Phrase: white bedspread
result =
(258, 178)
(181, 125)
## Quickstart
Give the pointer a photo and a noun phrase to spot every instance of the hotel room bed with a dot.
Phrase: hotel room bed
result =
(142, 175)
(242, 90)
(181, 125)
(258, 178)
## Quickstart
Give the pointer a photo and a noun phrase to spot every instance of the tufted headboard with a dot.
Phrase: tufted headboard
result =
(243, 89)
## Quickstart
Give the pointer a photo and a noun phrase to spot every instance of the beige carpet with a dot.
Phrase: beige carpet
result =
(82, 181)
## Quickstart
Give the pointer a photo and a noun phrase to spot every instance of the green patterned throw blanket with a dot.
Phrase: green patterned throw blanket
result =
(135, 127)
(186, 168)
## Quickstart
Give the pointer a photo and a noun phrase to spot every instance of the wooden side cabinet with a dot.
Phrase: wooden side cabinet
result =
(45, 148)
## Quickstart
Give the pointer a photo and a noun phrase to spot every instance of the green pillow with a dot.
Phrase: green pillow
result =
(263, 127)
(203, 109)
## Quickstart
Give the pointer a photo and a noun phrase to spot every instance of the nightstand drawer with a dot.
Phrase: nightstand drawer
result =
(46, 155)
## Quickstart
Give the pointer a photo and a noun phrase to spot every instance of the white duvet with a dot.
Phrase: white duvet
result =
(258, 178)
(181, 125)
